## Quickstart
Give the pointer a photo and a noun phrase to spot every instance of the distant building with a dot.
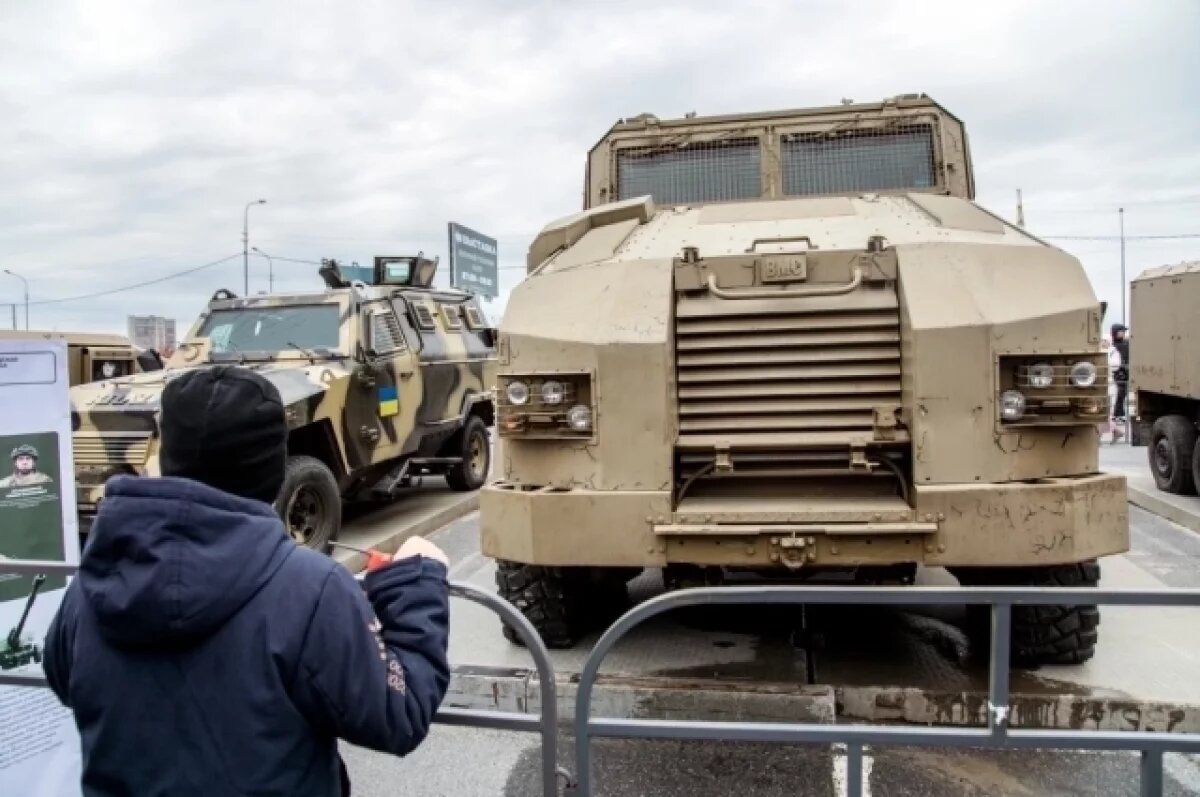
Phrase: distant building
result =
(152, 332)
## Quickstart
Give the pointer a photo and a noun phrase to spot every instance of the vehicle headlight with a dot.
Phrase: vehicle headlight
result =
(553, 392)
(579, 418)
(108, 369)
(1083, 374)
(1012, 405)
(1041, 375)
(517, 392)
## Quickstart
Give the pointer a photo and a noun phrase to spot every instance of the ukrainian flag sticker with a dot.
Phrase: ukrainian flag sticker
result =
(389, 402)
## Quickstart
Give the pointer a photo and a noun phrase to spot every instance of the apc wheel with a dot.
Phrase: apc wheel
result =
(1171, 452)
(1040, 634)
(476, 452)
(1196, 464)
(310, 503)
(562, 603)
(547, 597)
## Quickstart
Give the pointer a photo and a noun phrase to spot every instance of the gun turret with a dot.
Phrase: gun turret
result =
(14, 636)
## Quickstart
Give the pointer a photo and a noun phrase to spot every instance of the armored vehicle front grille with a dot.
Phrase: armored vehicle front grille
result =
(797, 375)
(99, 449)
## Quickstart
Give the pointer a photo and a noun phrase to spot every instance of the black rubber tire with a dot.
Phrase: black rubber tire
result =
(547, 598)
(464, 476)
(1196, 463)
(309, 473)
(1171, 451)
(1040, 634)
(562, 603)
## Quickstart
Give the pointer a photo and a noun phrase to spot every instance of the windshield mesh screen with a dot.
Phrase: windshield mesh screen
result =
(704, 172)
(858, 160)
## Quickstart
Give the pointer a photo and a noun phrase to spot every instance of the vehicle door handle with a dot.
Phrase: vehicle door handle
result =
(406, 374)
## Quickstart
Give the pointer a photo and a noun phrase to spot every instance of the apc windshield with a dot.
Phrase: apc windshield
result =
(272, 329)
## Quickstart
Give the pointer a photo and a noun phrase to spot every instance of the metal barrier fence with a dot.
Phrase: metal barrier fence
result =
(1152, 745)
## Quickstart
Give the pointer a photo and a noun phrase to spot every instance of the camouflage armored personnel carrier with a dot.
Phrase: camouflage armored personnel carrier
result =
(1164, 373)
(383, 382)
(95, 356)
(790, 344)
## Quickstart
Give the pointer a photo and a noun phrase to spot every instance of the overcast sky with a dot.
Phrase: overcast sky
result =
(134, 133)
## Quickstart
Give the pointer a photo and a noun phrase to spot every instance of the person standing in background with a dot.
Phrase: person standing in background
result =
(1119, 359)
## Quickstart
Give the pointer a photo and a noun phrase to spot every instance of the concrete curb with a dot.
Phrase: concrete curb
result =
(425, 523)
(1163, 508)
(629, 697)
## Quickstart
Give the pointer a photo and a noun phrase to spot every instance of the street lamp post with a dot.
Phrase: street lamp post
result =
(26, 284)
(1121, 217)
(270, 269)
(246, 243)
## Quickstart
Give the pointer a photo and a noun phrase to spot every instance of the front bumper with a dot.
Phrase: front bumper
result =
(1050, 521)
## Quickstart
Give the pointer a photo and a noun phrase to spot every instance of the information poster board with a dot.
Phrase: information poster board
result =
(39, 746)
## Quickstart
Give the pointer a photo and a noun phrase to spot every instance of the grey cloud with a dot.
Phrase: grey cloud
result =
(137, 133)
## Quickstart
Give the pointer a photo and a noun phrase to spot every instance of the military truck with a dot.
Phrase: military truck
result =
(383, 383)
(95, 356)
(789, 344)
(1164, 372)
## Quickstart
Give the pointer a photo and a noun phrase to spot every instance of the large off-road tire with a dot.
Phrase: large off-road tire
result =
(473, 445)
(562, 603)
(1196, 464)
(1171, 451)
(310, 503)
(1040, 634)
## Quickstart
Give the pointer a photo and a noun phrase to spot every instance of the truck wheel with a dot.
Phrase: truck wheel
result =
(1040, 634)
(1171, 453)
(310, 503)
(1196, 464)
(473, 446)
(547, 596)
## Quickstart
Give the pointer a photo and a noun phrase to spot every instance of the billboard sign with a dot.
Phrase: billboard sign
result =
(474, 262)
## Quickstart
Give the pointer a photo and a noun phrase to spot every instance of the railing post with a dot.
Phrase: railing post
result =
(998, 669)
(854, 769)
(546, 679)
(1152, 773)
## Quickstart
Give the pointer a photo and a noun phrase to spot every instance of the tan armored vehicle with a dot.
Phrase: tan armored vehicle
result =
(383, 383)
(95, 356)
(790, 344)
(1164, 372)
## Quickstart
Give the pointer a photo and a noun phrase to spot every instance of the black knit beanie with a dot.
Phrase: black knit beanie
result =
(225, 426)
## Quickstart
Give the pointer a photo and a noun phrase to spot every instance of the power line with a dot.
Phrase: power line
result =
(135, 286)
(1178, 237)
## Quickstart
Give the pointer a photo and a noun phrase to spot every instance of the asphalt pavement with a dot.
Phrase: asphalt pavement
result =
(464, 761)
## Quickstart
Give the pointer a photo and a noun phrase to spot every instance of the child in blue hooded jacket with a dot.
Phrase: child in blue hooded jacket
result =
(204, 653)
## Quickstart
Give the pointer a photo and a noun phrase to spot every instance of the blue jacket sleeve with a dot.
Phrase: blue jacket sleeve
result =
(56, 657)
(376, 678)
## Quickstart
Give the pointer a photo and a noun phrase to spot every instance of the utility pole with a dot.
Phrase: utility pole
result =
(1020, 210)
(14, 309)
(1121, 217)
(245, 244)
(270, 269)
(25, 282)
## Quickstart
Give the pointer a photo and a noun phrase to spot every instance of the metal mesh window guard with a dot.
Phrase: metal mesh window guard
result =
(858, 160)
(704, 172)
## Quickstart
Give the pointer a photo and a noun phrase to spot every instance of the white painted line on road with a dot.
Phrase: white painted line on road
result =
(841, 783)
(469, 567)
(1184, 769)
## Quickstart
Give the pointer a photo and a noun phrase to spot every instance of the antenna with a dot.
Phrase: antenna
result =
(1020, 210)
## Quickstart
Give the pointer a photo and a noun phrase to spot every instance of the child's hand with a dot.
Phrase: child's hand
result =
(419, 546)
